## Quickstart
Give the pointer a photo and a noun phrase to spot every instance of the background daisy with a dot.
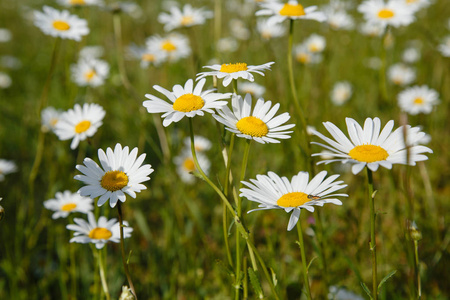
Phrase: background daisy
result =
(89, 72)
(67, 202)
(418, 99)
(6, 167)
(279, 11)
(185, 17)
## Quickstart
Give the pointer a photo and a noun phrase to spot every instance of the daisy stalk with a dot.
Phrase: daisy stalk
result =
(382, 82)
(302, 252)
(372, 243)
(102, 274)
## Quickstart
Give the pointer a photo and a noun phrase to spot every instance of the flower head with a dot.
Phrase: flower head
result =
(6, 167)
(201, 144)
(187, 101)
(98, 233)
(60, 24)
(392, 13)
(186, 166)
(268, 30)
(148, 56)
(120, 172)
(175, 46)
(369, 147)
(293, 10)
(259, 124)
(67, 202)
(49, 118)
(186, 17)
(79, 123)
(252, 88)
(234, 71)
(401, 74)
(274, 192)
(71, 3)
(444, 48)
(90, 72)
(418, 99)
(341, 93)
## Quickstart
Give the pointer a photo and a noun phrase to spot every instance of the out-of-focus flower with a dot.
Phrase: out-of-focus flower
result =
(444, 48)
(411, 55)
(268, 30)
(60, 24)
(201, 144)
(6, 167)
(146, 56)
(89, 72)
(5, 81)
(186, 166)
(279, 12)
(339, 19)
(418, 99)
(401, 74)
(126, 294)
(252, 88)
(71, 3)
(5, 35)
(339, 293)
(315, 43)
(371, 29)
(174, 45)
(227, 44)
(49, 118)
(67, 202)
(341, 93)
(10, 62)
(91, 52)
(238, 29)
(304, 56)
(185, 17)
(416, 5)
(393, 13)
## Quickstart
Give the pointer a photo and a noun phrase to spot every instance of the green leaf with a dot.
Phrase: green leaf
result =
(366, 289)
(274, 277)
(385, 279)
(313, 259)
(255, 283)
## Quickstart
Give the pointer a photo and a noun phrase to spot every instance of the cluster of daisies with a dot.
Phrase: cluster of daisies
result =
(5, 79)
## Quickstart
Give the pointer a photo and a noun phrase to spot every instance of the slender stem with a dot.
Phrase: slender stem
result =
(235, 90)
(73, 269)
(243, 170)
(102, 274)
(382, 83)
(416, 256)
(122, 247)
(228, 177)
(372, 243)
(302, 252)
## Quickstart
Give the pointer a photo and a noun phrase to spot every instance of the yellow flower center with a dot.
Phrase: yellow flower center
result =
(368, 153)
(77, 2)
(61, 25)
(303, 58)
(189, 165)
(313, 48)
(418, 101)
(100, 233)
(82, 126)
(53, 122)
(89, 75)
(252, 126)
(411, 1)
(168, 46)
(114, 180)
(292, 10)
(148, 57)
(187, 20)
(188, 102)
(385, 13)
(293, 199)
(231, 68)
(68, 207)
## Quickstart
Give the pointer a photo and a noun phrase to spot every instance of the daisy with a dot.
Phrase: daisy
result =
(274, 192)
(315, 43)
(259, 125)
(185, 17)
(304, 56)
(5, 35)
(49, 118)
(60, 24)
(339, 19)
(5, 81)
(89, 72)
(401, 74)
(416, 5)
(6, 167)
(392, 13)
(71, 3)
(368, 147)
(341, 93)
(411, 55)
(120, 173)
(238, 29)
(98, 233)
(148, 57)
(66, 203)
(269, 31)
(444, 48)
(234, 71)
(201, 144)
(371, 29)
(175, 46)
(227, 44)
(187, 101)
(79, 123)
(92, 52)
(418, 99)
(186, 166)
(292, 10)
(254, 89)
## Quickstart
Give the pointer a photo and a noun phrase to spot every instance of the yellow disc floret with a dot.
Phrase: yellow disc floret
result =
(168, 46)
(187, 20)
(82, 126)
(252, 126)
(77, 2)
(148, 57)
(188, 102)
(61, 25)
(291, 10)
(114, 180)
(89, 75)
(385, 13)
(100, 233)
(293, 199)
(418, 101)
(68, 207)
(232, 68)
(368, 153)
(189, 165)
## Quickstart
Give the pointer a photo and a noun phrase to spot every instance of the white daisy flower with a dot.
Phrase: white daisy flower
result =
(98, 233)
(67, 202)
(368, 147)
(148, 57)
(5, 35)
(392, 13)
(60, 24)
(444, 48)
(187, 101)
(227, 44)
(279, 12)
(371, 29)
(418, 99)
(90, 72)
(341, 93)
(340, 293)
(10, 62)
(121, 172)
(268, 30)
(89, 52)
(315, 43)
(71, 3)
(259, 124)
(186, 166)
(416, 5)
(238, 29)
(185, 17)
(5, 81)
(49, 118)
(79, 123)
(6, 167)
(175, 46)
(234, 71)
(304, 56)
(401, 74)
(201, 144)
(274, 192)
(339, 19)
(411, 55)
(252, 88)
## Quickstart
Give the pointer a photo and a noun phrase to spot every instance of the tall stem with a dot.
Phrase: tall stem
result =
(102, 274)
(372, 243)
(416, 256)
(122, 247)
(302, 252)
(382, 83)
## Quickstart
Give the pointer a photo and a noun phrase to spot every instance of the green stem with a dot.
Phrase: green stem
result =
(235, 90)
(416, 255)
(302, 252)
(122, 247)
(372, 243)
(382, 83)
(102, 274)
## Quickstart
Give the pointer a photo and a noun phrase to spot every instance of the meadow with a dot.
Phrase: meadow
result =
(192, 236)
